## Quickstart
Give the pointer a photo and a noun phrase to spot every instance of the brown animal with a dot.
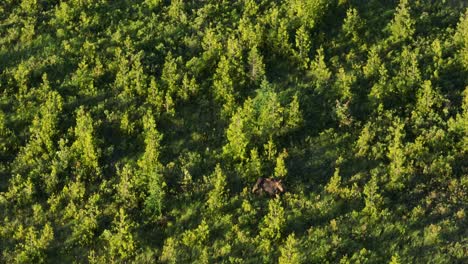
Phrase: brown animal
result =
(270, 186)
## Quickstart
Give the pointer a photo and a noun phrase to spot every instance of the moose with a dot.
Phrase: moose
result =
(268, 185)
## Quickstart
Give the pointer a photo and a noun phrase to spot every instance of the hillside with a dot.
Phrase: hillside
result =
(134, 131)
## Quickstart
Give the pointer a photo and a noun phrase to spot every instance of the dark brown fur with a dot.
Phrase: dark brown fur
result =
(270, 186)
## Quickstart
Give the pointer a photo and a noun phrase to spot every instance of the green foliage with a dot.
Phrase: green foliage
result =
(224, 87)
(397, 169)
(5, 134)
(85, 144)
(353, 24)
(217, 195)
(259, 120)
(150, 168)
(256, 66)
(402, 25)
(120, 244)
(273, 223)
(291, 252)
(294, 117)
(271, 229)
(31, 244)
(254, 164)
(308, 12)
(238, 139)
(373, 64)
(395, 259)
(170, 75)
(303, 45)
(461, 38)
(126, 187)
(134, 131)
(130, 78)
(44, 125)
(320, 72)
(85, 224)
(280, 169)
(373, 200)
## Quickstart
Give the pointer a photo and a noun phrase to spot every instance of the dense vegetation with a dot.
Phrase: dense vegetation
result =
(133, 131)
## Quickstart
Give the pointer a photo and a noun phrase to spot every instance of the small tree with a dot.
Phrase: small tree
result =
(303, 45)
(5, 135)
(85, 222)
(170, 74)
(320, 71)
(155, 95)
(150, 168)
(427, 111)
(195, 243)
(280, 168)
(256, 65)
(353, 24)
(217, 195)
(254, 165)
(125, 188)
(373, 200)
(176, 11)
(373, 64)
(238, 139)
(398, 170)
(32, 244)
(293, 114)
(461, 38)
(395, 259)
(402, 26)
(34, 158)
(120, 243)
(85, 143)
(271, 228)
(291, 252)
(273, 223)
(224, 87)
